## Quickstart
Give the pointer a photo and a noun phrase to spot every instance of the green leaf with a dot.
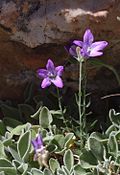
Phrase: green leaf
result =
(67, 172)
(55, 112)
(110, 129)
(2, 152)
(7, 167)
(23, 145)
(14, 154)
(35, 171)
(18, 130)
(88, 160)
(16, 163)
(114, 117)
(58, 140)
(69, 139)
(98, 136)
(45, 118)
(5, 163)
(2, 128)
(11, 123)
(117, 135)
(79, 170)
(23, 168)
(96, 148)
(36, 114)
(51, 148)
(117, 161)
(54, 165)
(68, 159)
(47, 172)
(112, 145)
(28, 173)
(8, 139)
(61, 172)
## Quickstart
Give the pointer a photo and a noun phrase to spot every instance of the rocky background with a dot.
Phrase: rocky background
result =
(31, 31)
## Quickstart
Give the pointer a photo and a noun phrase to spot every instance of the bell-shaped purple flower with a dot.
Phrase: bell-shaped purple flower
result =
(51, 75)
(88, 48)
(38, 144)
(41, 154)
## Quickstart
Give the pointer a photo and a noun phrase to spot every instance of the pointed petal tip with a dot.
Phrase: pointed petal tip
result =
(59, 70)
(42, 73)
(88, 37)
(45, 83)
(50, 65)
(58, 82)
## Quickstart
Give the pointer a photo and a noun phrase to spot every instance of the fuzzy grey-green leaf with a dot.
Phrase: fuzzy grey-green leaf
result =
(68, 159)
(88, 160)
(54, 165)
(96, 148)
(114, 117)
(112, 145)
(24, 144)
(7, 167)
(2, 152)
(79, 170)
(45, 118)
(47, 172)
(36, 171)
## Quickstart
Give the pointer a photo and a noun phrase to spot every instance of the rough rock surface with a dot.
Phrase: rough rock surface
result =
(31, 31)
(37, 22)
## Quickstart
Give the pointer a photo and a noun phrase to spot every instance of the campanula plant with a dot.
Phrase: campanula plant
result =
(52, 75)
(82, 51)
(40, 147)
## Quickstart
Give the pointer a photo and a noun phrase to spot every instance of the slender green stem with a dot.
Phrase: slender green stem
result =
(59, 100)
(84, 95)
(80, 94)
(60, 107)
(80, 107)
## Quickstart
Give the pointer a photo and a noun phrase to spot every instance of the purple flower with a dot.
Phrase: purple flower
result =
(51, 75)
(88, 48)
(38, 144)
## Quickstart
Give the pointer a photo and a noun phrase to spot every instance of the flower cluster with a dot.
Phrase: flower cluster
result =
(88, 48)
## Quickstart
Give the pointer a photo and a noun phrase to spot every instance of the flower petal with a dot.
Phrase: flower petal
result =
(45, 83)
(57, 82)
(50, 65)
(78, 43)
(42, 73)
(95, 53)
(39, 141)
(59, 70)
(88, 37)
(72, 50)
(99, 45)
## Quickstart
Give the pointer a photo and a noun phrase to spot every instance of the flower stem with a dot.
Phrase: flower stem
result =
(84, 96)
(80, 101)
(60, 107)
